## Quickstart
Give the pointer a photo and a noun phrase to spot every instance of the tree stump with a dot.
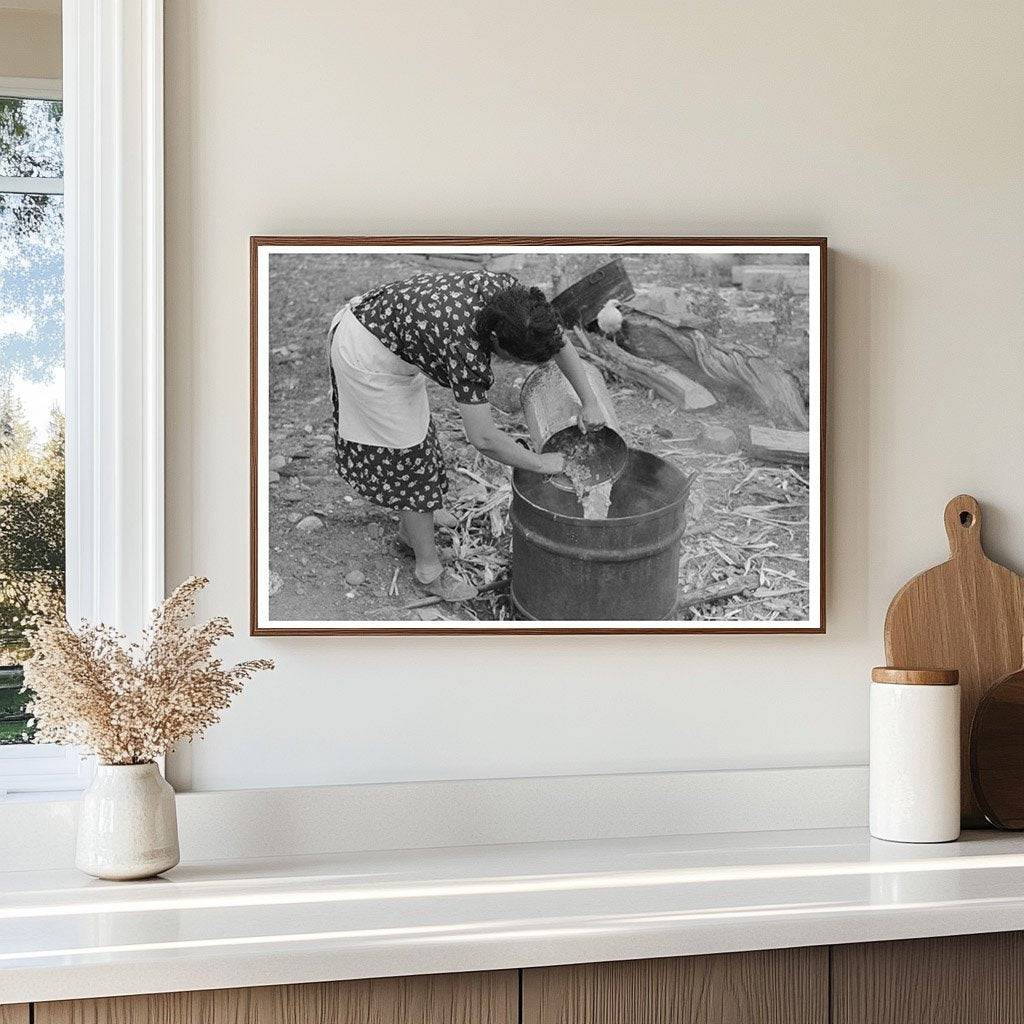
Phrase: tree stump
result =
(724, 363)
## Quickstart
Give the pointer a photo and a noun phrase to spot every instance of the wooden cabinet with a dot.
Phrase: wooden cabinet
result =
(963, 979)
(970, 979)
(777, 986)
(490, 998)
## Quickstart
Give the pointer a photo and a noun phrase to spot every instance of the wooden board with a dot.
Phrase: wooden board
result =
(771, 445)
(997, 752)
(480, 998)
(961, 979)
(14, 1013)
(779, 986)
(967, 614)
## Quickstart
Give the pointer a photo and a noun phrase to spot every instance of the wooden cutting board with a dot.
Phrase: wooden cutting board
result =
(967, 614)
(997, 752)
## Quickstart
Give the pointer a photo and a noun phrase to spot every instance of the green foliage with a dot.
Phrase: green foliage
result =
(30, 138)
(31, 475)
(30, 147)
(14, 722)
(26, 215)
(32, 504)
(32, 549)
(31, 241)
(31, 286)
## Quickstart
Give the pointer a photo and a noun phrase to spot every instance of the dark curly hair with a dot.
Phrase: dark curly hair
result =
(522, 322)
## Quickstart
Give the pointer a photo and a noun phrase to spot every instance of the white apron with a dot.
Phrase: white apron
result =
(382, 400)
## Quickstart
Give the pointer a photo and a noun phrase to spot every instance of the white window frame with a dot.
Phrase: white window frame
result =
(31, 89)
(114, 324)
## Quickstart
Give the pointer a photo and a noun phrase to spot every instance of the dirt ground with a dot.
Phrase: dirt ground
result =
(333, 555)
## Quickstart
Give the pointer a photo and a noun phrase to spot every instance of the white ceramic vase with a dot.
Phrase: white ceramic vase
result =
(127, 825)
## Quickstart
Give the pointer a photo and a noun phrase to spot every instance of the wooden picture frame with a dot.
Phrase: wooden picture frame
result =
(452, 248)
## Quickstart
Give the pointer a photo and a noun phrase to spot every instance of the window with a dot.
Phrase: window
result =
(32, 514)
(108, 206)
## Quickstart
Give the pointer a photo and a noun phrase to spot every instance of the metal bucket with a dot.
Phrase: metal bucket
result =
(551, 409)
(565, 567)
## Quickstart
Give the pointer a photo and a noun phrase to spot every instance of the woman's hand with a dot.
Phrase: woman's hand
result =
(552, 463)
(483, 435)
(591, 416)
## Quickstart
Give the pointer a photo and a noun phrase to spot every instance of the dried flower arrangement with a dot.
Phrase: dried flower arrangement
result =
(130, 703)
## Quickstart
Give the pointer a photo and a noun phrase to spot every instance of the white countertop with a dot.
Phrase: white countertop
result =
(262, 922)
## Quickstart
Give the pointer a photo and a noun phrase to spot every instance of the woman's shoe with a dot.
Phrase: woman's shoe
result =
(449, 587)
(445, 519)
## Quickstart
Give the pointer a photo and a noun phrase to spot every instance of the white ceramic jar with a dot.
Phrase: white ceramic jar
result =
(127, 824)
(915, 755)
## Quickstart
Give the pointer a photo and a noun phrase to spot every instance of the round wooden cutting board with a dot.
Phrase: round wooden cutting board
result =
(997, 752)
(967, 614)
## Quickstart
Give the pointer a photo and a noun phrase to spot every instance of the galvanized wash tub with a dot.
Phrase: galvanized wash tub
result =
(624, 567)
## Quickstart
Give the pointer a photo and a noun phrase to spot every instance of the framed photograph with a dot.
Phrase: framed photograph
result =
(537, 435)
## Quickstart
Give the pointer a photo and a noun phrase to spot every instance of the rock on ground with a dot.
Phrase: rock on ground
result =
(720, 439)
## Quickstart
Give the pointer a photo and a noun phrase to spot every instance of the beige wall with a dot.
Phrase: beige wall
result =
(895, 129)
(30, 43)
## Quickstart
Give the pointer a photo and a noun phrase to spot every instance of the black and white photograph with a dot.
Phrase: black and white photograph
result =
(537, 435)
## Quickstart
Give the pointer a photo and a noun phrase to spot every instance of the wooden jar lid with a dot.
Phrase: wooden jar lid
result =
(916, 676)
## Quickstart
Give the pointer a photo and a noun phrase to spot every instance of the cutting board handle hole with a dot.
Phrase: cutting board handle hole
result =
(962, 517)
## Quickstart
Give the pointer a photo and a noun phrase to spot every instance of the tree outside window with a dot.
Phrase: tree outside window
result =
(31, 387)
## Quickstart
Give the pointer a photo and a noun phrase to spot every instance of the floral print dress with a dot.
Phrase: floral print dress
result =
(429, 321)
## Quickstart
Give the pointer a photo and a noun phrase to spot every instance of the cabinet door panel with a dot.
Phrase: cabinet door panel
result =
(482, 998)
(14, 1013)
(960, 979)
(778, 986)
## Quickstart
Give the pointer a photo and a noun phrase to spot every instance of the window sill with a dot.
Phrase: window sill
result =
(43, 771)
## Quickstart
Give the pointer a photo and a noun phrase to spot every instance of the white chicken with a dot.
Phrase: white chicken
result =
(609, 318)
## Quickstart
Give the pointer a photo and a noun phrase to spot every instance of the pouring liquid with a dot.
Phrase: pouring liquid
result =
(594, 494)
(592, 463)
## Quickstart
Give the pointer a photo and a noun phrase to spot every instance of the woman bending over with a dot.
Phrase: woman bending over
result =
(446, 327)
